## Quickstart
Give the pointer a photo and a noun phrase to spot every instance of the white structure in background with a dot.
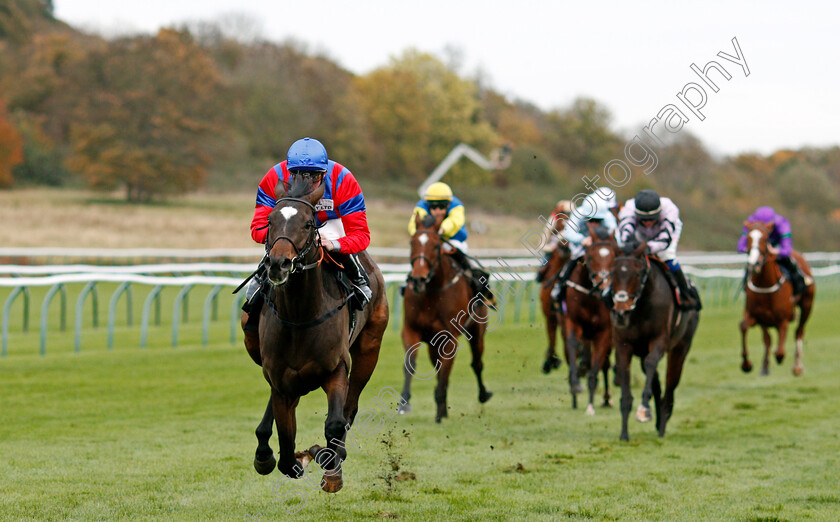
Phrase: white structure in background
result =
(499, 159)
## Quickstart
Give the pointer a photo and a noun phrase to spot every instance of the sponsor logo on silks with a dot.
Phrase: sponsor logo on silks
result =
(324, 204)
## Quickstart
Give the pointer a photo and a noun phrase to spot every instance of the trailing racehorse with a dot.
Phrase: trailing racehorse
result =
(587, 318)
(770, 300)
(440, 304)
(553, 313)
(306, 340)
(647, 322)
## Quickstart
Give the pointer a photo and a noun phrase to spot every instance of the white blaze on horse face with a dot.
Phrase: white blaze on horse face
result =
(288, 212)
(755, 235)
(423, 239)
(604, 252)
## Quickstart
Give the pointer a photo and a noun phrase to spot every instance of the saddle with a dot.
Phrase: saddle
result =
(672, 282)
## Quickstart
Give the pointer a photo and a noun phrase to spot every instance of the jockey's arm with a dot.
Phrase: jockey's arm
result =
(350, 203)
(453, 222)
(572, 232)
(412, 226)
(786, 242)
(626, 224)
(266, 199)
(742, 241)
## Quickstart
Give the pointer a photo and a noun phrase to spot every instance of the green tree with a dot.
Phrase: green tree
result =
(146, 115)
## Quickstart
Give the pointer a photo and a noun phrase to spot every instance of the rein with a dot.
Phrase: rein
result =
(765, 289)
(298, 265)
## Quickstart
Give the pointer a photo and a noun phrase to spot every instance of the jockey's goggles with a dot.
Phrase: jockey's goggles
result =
(438, 204)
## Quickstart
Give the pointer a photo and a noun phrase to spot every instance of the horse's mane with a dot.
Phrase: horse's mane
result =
(429, 221)
(630, 246)
(299, 188)
(602, 233)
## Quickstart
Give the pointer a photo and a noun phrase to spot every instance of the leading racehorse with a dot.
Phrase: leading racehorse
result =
(770, 301)
(439, 306)
(306, 341)
(648, 323)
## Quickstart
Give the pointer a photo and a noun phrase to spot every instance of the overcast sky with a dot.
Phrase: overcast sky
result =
(634, 57)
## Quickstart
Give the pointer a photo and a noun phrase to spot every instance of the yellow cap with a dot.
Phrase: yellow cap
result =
(437, 191)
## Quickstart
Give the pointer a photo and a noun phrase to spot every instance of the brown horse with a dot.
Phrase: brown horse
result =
(305, 340)
(439, 306)
(648, 323)
(770, 301)
(587, 316)
(553, 313)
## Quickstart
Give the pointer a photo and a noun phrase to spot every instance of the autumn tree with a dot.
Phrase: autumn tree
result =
(418, 110)
(11, 149)
(146, 119)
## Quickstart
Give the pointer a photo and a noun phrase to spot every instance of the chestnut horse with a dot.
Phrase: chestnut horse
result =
(647, 323)
(439, 306)
(305, 340)
(587, 316)
(770, 300)
(553, 313)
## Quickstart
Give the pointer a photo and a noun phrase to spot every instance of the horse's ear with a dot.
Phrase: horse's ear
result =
(280, 189)
(315, 196)
(640, 250)
(747, 224)
(417, 221)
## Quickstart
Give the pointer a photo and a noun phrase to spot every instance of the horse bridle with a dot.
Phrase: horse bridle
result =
(432, 266)
(759, 265)
(623, 296)
(598, 244)
(313, 240)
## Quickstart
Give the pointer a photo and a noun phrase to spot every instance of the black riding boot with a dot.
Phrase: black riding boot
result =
(564, 276)
(479, 278)
(689, 297)
(359, 279)
(796, 277)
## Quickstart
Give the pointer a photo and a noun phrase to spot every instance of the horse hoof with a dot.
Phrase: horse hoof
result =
(765, 371)
(608, 404)
(438, 419)
(404, 409)
(746, 366)
(264, 467)
(551, 363)
(779, 358)
(643, 414)
(332, 483)
(590, 410)
(305, 457)
(798, 370)
(577, 388)
(624, 437)
(484, 397)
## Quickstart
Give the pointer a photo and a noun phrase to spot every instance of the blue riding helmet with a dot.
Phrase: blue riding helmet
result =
(307, 154)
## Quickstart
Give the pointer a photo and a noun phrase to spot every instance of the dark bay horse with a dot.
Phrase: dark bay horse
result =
(440, 305)
(770, 302)
(648, 323)
(588, 317)
(553, 313)
(305, 340)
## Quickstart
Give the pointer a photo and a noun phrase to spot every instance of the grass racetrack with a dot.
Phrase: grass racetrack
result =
(167, 434)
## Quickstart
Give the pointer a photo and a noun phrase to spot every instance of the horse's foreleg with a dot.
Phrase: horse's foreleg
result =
(655, 352)
(676, 359)
(264, 460)
(284, 418)
(804, 312)
(335, 430)
(477, 348)
(780, 351)
(768, 341)
(442, 386)
(599, 359)
(572, 343)
(745, 325)
(551, 323)
(623, 353)
(411, 344)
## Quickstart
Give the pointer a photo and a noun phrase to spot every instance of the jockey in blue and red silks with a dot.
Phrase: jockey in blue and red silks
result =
(341, 209)
(780, 241)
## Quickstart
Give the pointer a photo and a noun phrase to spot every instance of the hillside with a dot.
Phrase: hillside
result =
(156, 117)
